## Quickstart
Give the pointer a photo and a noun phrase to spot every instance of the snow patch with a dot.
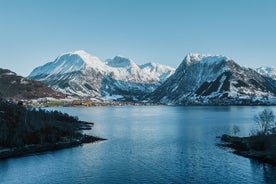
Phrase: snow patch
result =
(267, 71)
(112, 97)
(193, 58)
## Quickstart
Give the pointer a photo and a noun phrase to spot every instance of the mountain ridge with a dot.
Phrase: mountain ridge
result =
(267, 71)
(18, 87)
(199, 79)
(78, 73)
(206, 79)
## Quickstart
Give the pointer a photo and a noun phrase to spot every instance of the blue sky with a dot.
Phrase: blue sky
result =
(33, 32)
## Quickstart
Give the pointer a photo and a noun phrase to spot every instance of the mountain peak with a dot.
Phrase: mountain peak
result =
(69, 62)
(207, 79)
(121, 62)
(78, 73)
(151, 64)
(156, 67)
(87, 58)
(80, 59)
(79, 52)
(266, 69)
(193, 58)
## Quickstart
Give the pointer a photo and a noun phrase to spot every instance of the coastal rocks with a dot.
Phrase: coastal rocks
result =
(235, 142)
(261, 147)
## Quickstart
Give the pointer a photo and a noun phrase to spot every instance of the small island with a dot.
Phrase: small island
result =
(28, 130)
(261, 145)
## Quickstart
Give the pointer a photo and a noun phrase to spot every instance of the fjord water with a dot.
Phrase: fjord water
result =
(147, 144)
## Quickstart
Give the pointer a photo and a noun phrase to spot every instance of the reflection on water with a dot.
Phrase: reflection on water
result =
(268, 171)
(147, 145)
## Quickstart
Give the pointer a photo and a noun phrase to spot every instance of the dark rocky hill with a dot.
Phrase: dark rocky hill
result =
(18, 87)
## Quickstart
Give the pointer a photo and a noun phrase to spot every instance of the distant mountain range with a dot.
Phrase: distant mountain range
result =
(17, 87)
(200, 79)
(218, 80)
(267, 71)
(80, 74)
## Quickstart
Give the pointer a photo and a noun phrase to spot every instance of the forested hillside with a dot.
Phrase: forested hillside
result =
(20, 126)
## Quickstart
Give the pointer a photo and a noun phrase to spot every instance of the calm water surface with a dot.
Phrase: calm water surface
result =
(161, 144)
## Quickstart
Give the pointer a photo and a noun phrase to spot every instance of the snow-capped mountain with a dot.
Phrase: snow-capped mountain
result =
(126, 69)
(206, 79)
(69, 63)
(267, 71)
(160, 72)
(79, 73)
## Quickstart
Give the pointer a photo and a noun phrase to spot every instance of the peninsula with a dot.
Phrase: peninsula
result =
(27, 131)
(259, 147)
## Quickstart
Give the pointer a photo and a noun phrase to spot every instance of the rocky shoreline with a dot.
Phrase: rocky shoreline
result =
(39, 148)
(261, 148)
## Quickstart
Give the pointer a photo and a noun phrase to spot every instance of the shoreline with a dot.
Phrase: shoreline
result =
(261, 148)
(41, 148)
(158, 104)
(44, 103)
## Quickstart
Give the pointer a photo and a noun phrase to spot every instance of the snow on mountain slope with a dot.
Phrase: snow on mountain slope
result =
(206, 79)
(158, 71)
(126, 69)
(267, 71)
(68, 63)
(79, 73)
(121, 62)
